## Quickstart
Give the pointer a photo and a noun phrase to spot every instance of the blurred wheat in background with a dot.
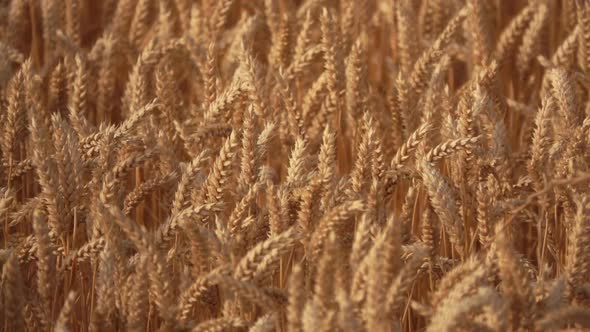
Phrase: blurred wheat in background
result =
(295, 165)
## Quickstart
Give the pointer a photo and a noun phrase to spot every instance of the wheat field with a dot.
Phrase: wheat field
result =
(295, 165)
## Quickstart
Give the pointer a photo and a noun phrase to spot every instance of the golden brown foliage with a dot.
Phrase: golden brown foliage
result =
(294, 165)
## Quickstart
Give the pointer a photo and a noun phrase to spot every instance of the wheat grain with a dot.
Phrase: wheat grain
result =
(308, 165)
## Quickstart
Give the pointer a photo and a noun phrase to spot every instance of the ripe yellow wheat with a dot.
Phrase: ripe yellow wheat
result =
(295, 165)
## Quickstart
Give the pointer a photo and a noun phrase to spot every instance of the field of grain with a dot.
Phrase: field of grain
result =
(295, 165)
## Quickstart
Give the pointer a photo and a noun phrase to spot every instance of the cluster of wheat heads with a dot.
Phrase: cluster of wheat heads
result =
(289, 165)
